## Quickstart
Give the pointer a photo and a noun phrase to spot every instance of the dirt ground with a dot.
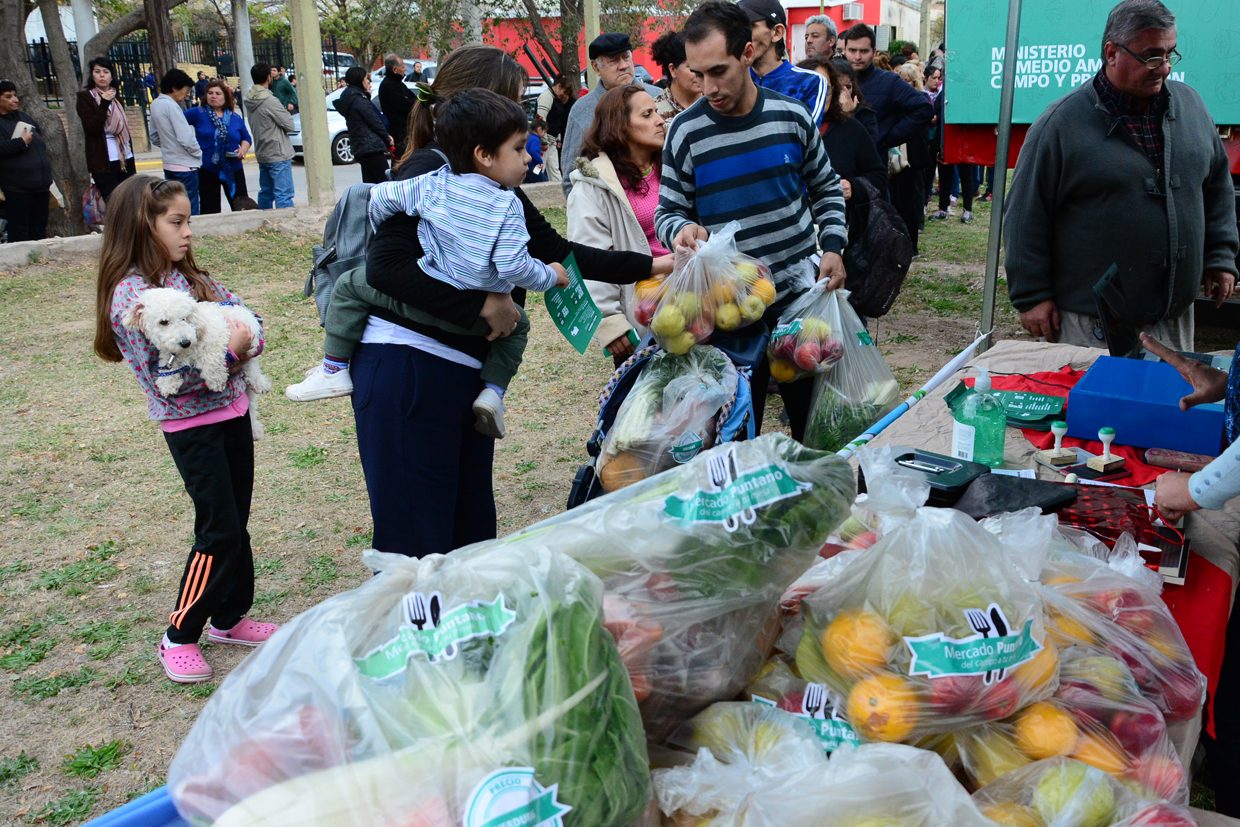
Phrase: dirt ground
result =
(95, 524)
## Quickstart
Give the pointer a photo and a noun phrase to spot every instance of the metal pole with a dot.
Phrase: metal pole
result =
(1001, 165)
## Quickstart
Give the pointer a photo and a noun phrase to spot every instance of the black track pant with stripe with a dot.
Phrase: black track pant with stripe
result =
(217, 464)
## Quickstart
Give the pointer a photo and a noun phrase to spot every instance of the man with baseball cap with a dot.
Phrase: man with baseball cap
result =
(611, 55)
(771, 69)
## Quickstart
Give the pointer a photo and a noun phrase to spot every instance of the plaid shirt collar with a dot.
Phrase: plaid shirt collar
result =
(1143, 124)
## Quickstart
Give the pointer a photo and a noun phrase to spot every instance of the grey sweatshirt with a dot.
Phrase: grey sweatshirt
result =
(1085, 197)
(270, 124)
(173, 134)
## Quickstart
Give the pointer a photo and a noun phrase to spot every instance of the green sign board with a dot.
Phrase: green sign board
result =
(1061, 48)
(572, 309)
(1029, 406)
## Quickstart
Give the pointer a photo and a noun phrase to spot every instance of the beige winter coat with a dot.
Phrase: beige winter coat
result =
(599, 215)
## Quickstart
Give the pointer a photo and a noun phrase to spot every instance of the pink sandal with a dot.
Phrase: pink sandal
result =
(184, 663)
(246, 633)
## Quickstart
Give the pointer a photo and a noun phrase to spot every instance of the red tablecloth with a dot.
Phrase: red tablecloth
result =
(1203, 604)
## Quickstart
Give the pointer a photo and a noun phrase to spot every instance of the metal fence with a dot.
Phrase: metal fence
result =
(132, 59)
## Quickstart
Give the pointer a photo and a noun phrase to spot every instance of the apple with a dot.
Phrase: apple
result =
(680, 343)
(701, 329)
(1086, 703)
(786, 347)
(807, 356)
(1161, 815)
(832, 351)
(688, 305)
(1000, 701)
(1181, 694)
(752, 308)
(668, 322)
(954, 694)
(793, 702)
(1161, 773)
(728, 317)
(1137, 729)
(1076, 790)
(644, 312)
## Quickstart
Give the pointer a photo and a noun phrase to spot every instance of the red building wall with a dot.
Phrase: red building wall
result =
(511, 34)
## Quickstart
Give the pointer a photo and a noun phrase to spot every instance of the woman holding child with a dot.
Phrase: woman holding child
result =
(615, 192)
(417, 379)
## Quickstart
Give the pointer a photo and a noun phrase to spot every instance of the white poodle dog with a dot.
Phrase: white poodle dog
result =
(195, 334)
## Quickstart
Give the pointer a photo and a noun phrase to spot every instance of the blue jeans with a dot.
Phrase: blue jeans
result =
(275, 179)
(190, 180)
(428, 472)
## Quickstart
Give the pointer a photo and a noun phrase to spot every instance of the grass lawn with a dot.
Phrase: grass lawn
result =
(95, 524)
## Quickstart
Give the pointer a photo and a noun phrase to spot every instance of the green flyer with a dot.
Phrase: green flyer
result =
(572, 309)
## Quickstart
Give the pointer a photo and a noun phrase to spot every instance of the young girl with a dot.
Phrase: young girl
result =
(146, 243)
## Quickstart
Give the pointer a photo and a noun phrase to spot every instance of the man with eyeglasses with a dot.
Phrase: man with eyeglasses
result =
(1129, 170)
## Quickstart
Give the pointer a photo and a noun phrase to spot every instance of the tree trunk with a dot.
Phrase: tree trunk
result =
(68, 168)
(101, 44)
(566, 57)
(159, 36)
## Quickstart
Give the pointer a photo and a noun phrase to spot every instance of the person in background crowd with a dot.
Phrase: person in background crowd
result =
(882, 60)
(901, 110)
(909, 52)
(611, 55)
(178, 145)
(933, 80)
(849, 146)
(371, 142)
(109, 150)
(949, 172)
(895, 63)
(282, 89)
(25, 169)
(771, 69)
(554, 104)
(909, 186)
(1082, 200)
(535, 169)
(612, 205)
(225, 140)
(683, 88)
(416, 75)
(271, 124)
(820, 36)
(149, 83)
(854, 102)
(714, 154)
(396, 100)
(200, 88)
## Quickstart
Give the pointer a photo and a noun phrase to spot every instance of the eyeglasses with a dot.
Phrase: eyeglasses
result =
(1157, 61)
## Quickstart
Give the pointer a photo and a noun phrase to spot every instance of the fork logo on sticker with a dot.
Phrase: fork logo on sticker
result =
(735, 494)
(992, 649)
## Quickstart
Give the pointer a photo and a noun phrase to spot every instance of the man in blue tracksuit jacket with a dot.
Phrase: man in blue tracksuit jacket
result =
(770, 67)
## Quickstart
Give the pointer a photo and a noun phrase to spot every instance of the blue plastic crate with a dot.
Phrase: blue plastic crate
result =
(155, 809)
(1141, 401)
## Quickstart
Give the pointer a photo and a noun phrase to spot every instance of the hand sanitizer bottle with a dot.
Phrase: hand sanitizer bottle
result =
(981, 425)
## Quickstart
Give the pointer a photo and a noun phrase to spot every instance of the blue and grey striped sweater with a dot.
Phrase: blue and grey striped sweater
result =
(472, 229)
(767, 170)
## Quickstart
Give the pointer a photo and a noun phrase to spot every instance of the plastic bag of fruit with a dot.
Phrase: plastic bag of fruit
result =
(443, 692)
(857, 392)
(804, 343)
(760, 767)
(1091, 604)
(1064, 792)
(668, 417)
(694, 561)
(929, 630)
(781, 686)
(1097, 716)
(712, 286)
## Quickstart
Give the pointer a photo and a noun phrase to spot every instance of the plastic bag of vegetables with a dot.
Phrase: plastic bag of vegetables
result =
(858, 391)
(760, 767)
(1097, 716)
(445, 692)
(713, 286)
(781, 686)
(668, 417)
(927, 631)
(1063, 792)
(804, 343)
(694, 561)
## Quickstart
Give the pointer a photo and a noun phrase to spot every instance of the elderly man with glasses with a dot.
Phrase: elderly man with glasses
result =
(1127, 170)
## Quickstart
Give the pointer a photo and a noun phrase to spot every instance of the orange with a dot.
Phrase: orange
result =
(857, 642)
(1101, 750)
(1066, 631)
(647, 288)
(1045, 731)
(1059, 579)
(1014, 814)
(782, 371)
(765, 290)
(1037, 672)
(722, 292)
(883, 707)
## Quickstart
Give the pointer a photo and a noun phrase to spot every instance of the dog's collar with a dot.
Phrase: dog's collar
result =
(181, 369)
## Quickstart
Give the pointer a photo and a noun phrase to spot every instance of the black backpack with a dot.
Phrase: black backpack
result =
(878, 255)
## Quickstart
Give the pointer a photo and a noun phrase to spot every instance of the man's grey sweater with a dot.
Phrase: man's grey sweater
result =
(1085, 197)
(173, 135)
(580, 117)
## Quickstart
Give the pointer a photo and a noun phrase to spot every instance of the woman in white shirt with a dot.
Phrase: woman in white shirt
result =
(109, 150)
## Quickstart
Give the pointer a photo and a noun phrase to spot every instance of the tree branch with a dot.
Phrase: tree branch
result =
(101, 43)
(540, 32)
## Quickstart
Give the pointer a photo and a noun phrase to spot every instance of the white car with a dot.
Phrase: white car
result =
(337, 129)
(428, 71)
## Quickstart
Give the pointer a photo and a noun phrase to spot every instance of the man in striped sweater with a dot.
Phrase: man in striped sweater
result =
(748, 154)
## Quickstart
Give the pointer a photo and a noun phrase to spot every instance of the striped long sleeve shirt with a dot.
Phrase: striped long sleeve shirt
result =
(472, 229)
(767, 170)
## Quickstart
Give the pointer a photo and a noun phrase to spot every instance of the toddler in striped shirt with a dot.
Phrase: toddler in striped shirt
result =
(473, 234)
